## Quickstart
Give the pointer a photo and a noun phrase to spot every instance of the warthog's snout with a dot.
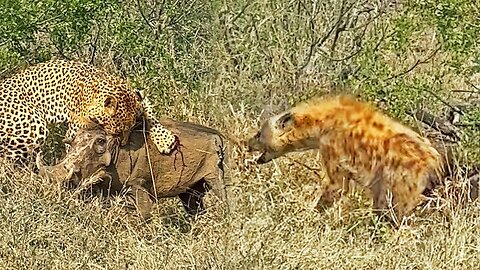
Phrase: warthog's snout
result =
(90, 151)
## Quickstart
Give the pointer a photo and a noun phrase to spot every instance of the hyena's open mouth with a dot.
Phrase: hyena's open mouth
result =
(262, 158)
(259, 157)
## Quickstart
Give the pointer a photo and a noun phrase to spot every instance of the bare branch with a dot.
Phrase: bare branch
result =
(60, 51)
(377, 45)
(93, 46)
(382, 38)
(340, 26)
(325, 54)
(321, 40)
(314, 170)
(238, 15)
(475, 125)
(416, 64)
(144, 17)
(453, 108)
(159, 14)
(186, 12)
(435, 122)
(474, 87)
(465, 91)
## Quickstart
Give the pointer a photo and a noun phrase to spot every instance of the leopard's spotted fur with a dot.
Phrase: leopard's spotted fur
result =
(72, 92)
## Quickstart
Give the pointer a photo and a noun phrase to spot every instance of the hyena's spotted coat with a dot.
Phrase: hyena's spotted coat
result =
(357, 143)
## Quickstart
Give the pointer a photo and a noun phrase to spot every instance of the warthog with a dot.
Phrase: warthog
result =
(194, 167)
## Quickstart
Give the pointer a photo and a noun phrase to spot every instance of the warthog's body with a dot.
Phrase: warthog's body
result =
(197, 164)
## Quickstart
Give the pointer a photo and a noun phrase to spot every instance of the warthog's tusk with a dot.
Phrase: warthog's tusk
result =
(39, 161)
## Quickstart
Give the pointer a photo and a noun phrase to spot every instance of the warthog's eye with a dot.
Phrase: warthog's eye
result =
(101, 141)
(100, 145)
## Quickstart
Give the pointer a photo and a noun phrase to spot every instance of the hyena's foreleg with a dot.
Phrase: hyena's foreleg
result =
(338, 178)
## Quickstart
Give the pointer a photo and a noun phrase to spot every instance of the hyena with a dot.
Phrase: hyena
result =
(358, 143)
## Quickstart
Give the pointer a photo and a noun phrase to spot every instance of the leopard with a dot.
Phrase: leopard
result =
(74, 93)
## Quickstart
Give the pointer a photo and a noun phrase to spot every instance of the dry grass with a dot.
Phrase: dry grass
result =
(252, 65)
(272, 225)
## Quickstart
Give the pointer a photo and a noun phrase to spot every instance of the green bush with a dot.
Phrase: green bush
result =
(229, 64)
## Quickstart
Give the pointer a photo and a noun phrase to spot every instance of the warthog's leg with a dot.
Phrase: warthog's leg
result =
(192, 199)
(216, 180)
(143, 200)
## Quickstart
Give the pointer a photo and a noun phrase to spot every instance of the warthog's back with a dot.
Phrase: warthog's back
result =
(200, 155)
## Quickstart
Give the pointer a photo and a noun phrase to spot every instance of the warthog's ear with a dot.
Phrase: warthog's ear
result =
(110, 105)
(285, 122)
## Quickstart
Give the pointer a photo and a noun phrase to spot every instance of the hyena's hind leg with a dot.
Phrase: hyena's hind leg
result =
(395, 196)
(408, 195)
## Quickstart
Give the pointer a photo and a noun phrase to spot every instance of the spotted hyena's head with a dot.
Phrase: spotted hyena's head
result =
(274, 138)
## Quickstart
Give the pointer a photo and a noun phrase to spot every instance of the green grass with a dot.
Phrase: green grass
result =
(230, 65)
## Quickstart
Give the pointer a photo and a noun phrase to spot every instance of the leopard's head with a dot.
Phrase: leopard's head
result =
(115, 107)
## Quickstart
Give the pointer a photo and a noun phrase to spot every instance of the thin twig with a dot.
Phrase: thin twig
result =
(311, 51)
(377, 45)
(94, 46)
(321, 40)
(453, 108)
(382, 38)
(314, 170)
(476, 125)
(186, 12)
(325, 54)
(150, 166)
(340, 26)
(244, 8)
(465, 91)
(416, 64)
(144, 17)
(474, 86)
(159, 15)
(435, 122)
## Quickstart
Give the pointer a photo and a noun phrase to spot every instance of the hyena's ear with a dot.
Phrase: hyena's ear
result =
(110, 105)
(285, 122)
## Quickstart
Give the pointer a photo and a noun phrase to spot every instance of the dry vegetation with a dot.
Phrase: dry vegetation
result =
(271, 227)
(229, 65)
